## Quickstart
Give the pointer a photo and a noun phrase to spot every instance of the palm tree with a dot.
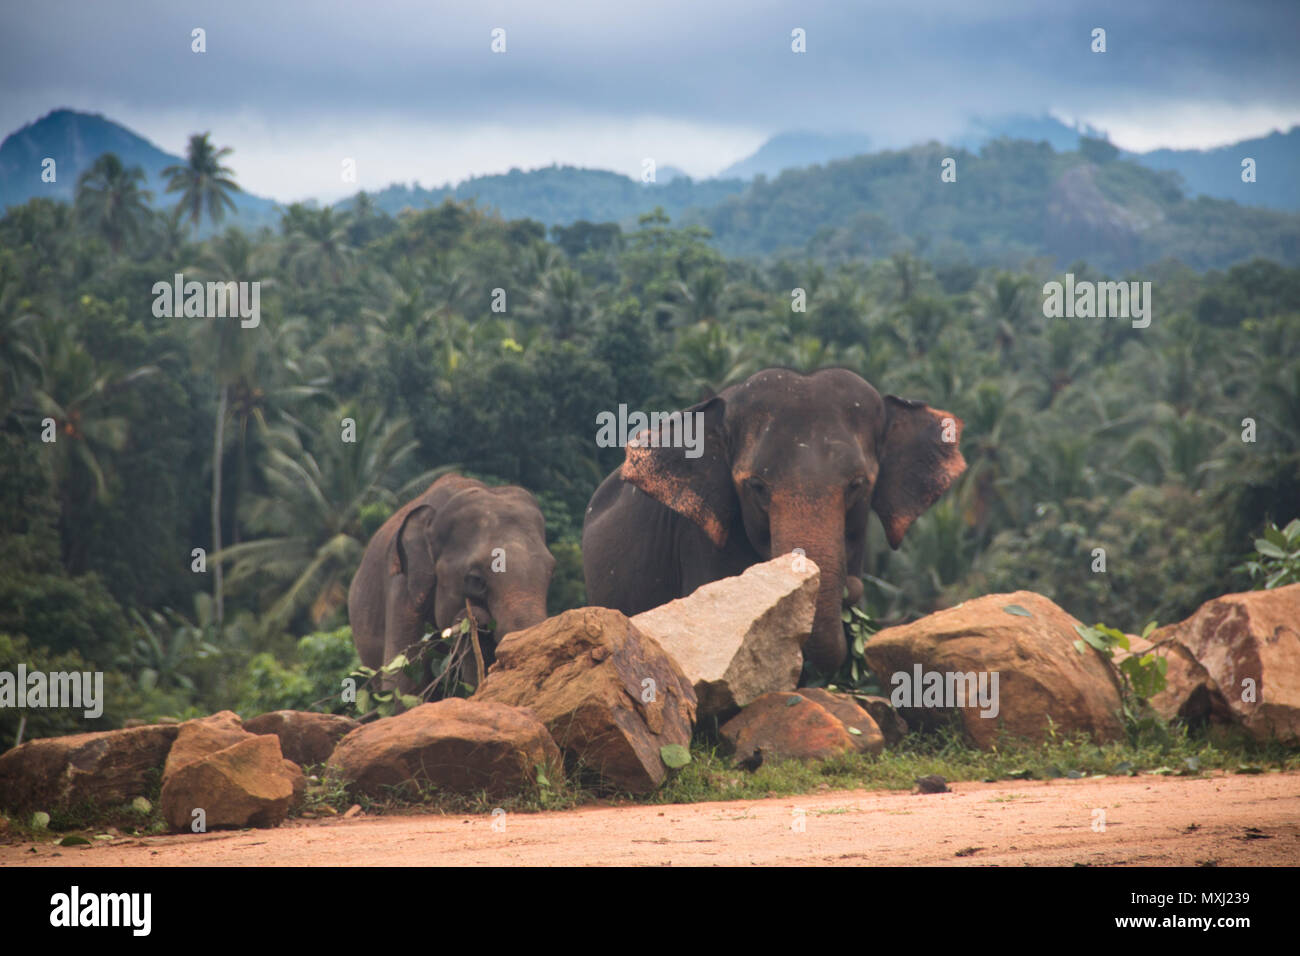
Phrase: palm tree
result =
(560, 302)
(110, 201)
(204, 184)
(317, 244)
(310, 524)
(20, 366)
(76, 392)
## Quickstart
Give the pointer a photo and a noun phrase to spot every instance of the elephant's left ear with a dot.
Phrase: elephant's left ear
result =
(684, 464)
(919, 460)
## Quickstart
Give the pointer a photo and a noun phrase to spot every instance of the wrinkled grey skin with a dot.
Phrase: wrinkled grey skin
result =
(437, 551)
(788, 461)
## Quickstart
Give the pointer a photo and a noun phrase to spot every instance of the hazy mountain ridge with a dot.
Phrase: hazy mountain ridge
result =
(74, 140)
(1013, 199)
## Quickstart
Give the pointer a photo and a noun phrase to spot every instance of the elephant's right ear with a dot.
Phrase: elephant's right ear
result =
(683, 462)
(405, 541)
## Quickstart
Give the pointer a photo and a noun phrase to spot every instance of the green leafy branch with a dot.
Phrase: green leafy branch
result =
(1278, 563)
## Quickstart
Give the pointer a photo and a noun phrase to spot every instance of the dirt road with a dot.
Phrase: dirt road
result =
(1230, 820)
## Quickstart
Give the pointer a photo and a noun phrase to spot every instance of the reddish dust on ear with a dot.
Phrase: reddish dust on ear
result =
(932, 473)
(646, 470)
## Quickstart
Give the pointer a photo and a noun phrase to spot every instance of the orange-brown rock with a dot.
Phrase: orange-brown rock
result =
(462, 746)
(306, 738)
(101, 769)
(248, 784)
(1039, 673)
(868, 737)
(610, 696)
(786, 725)
(1250, 644)
(203, 736)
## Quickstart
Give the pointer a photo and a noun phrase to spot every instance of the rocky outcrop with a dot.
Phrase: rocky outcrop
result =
(741, 637)
(100, 769)
(306, 738)
(460, 746)
(1249, 643)
(1019, 649)
(610, 696)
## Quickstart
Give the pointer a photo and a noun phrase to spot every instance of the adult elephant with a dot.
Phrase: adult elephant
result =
(787, 461)
(460, 540)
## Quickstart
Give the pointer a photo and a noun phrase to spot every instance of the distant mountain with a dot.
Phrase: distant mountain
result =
(1217, 172)
(74, 141)
(1036, 129)
(561, 195)
(1013, 201)
(794, 150)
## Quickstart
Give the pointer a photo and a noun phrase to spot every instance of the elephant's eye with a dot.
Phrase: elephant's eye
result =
(857, 483)
(475, 585)
(760, 489)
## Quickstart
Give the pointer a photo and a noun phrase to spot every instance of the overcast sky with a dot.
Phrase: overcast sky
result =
(411, 90)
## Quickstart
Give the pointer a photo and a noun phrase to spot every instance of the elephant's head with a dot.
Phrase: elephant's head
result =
(797, 461)
(483, 545)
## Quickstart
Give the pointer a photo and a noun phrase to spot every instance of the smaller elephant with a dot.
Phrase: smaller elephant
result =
(461, 541)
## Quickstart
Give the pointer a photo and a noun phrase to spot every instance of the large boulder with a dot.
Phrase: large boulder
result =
(1019, 644)
(1250, 641)
(306, 738)
(462, 746)
(790, 725)
(98, 769)
(741, 637)
(248, 784)
(1191, 694)
(203, 736)
(610, 696)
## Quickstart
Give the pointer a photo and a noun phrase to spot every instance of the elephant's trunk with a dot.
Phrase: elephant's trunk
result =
(515, 612)
(817, 527)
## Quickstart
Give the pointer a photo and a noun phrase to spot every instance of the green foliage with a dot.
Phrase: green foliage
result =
(1278, 563)
(313, 681)
(853, 675)
(1142, 673)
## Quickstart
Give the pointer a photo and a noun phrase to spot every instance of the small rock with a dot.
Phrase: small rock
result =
(868, 738)
(805, 731)
(932, 783)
